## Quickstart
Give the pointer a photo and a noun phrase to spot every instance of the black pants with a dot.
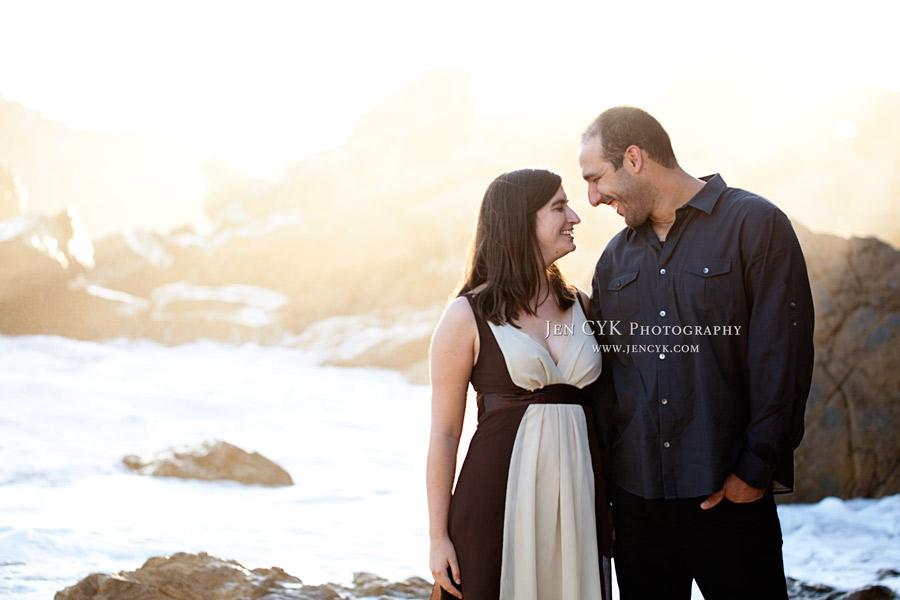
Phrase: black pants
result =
(733, 551)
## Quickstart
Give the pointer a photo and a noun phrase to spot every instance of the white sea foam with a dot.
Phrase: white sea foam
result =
(354, 441)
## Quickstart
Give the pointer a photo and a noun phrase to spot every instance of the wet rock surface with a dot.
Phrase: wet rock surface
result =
(185, 576)
(211, 461)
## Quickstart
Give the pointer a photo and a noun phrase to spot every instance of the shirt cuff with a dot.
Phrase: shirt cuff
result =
(753, 470)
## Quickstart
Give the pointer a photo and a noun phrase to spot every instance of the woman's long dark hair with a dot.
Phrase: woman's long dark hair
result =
(505, 253)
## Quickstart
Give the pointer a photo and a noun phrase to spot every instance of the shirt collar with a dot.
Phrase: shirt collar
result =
(704, 200)
(707, 197)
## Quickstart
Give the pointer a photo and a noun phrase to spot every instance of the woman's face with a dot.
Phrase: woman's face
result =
(554, 225)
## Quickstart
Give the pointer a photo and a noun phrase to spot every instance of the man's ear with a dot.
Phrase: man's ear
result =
(634, 159)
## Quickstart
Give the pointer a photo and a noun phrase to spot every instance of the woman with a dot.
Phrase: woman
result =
(522, 522)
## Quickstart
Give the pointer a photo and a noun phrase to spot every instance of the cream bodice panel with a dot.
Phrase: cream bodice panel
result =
(530, 365)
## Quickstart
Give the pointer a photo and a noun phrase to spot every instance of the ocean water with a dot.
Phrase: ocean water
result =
(354, 441)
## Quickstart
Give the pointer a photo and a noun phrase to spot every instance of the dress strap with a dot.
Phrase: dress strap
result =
(581, 303)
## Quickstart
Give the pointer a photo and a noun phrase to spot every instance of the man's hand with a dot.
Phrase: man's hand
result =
(736, 491)
(443, 554)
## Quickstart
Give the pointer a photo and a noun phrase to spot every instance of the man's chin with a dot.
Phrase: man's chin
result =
(634, 222)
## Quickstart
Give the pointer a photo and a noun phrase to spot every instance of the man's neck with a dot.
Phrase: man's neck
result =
(676, 188)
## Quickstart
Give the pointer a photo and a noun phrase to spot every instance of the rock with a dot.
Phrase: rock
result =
(850, 448)
(134, 261)
(366, 585)
(211, 461)
(389, 341)
(799, 590)
(203, 577)
(869, 592)
(45, 265)
(45, 286)
(184, 312)
(39, 252)
(186, 577)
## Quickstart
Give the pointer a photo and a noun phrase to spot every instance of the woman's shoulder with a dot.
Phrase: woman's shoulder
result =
(457, 329)
(459, 313)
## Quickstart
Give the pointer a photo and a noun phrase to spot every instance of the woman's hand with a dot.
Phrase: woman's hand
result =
(443, 554)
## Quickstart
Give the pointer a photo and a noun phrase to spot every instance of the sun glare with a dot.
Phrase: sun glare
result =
(261, 88)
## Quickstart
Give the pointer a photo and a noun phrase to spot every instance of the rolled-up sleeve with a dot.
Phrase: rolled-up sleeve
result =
(780, 351)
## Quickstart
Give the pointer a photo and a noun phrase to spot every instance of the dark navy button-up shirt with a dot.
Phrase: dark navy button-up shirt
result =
(709, 345)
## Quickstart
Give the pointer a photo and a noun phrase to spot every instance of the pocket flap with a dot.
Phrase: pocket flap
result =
(621, 281)
(708, 267)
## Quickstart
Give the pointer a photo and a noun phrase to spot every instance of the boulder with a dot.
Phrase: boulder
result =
(185, 576)
(850, 448)
(799, 590)
(211, 461)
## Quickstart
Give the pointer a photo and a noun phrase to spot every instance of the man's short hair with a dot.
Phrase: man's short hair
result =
(624, 126)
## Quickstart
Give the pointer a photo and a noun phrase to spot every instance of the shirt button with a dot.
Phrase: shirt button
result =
(662, 313)
(662, 271)
(705, 270)
(793, 305)
(794, 323)
(662, 356)
(665, 444)
(665, 400)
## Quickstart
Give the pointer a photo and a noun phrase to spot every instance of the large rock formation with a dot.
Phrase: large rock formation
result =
(851, 447)
(211, 461)
(201, 576)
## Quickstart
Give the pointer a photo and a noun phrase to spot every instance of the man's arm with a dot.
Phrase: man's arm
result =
(780, 354)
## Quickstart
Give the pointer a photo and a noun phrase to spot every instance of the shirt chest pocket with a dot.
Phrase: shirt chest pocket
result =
(709, 284)
(621, 298)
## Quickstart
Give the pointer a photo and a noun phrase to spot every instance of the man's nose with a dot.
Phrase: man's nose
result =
(595, 198)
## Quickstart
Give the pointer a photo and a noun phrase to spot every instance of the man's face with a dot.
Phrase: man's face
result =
(631, 197)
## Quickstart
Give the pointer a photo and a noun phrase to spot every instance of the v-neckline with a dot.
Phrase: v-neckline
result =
(547, 350)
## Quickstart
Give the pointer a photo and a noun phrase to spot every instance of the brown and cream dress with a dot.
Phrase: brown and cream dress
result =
(528, 516)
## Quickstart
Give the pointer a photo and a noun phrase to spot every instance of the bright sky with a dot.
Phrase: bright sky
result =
(262, 83)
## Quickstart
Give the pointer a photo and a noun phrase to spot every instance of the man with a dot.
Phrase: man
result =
(705, 300)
